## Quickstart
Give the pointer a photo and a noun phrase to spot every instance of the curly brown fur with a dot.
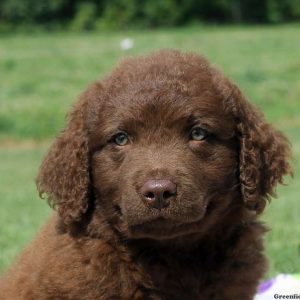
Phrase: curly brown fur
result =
(105, 241)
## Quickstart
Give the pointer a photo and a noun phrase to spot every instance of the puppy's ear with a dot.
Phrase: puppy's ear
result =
(64, 174)
(264, 152)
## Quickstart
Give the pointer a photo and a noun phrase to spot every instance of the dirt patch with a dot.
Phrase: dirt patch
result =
(25, 144)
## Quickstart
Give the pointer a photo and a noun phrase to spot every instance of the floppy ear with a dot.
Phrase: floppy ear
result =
(64, 174)
(264, 152)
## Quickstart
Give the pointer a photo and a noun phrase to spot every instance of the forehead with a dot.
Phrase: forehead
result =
(153, 105)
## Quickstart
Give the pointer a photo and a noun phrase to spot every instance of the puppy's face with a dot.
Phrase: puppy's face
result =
(163, 147)
(163, 160)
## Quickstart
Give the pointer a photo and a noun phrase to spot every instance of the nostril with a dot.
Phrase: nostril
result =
(150, 195)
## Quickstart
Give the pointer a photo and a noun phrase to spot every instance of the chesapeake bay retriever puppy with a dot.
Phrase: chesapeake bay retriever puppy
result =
(157, 180)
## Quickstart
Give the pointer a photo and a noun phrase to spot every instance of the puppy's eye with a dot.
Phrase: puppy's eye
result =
(121, 139)
(198, 134)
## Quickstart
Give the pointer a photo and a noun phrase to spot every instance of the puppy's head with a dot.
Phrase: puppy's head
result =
(161, 148)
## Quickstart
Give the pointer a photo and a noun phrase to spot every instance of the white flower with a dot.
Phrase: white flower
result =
(126, 44)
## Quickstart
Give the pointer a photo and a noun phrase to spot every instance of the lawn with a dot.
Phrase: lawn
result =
(42, 74)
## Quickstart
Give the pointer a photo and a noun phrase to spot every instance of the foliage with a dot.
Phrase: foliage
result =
(87, 15)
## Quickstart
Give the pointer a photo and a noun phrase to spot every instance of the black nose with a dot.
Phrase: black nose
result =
(158, 193)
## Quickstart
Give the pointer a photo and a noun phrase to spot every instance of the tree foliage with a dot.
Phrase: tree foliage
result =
(82, 14)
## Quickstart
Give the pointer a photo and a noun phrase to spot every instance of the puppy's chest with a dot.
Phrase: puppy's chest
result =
(173, 279)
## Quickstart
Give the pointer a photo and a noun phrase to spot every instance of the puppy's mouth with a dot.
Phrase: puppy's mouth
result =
(167, 223)
(162, 228)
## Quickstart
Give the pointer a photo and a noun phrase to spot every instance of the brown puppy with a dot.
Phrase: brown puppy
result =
(158, 179)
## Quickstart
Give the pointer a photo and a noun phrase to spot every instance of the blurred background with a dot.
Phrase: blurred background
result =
(51, 49)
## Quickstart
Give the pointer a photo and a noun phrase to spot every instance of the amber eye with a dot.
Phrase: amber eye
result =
(121, 138)
(198, 134)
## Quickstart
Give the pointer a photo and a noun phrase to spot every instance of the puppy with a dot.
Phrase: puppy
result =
(157, 181)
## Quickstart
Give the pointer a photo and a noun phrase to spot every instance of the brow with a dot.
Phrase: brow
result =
(129, 125)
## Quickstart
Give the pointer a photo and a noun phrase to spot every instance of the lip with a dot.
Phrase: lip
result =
(161, 228)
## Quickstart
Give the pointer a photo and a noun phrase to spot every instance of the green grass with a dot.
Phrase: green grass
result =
(42, 74)
(282, 217)
(21, 211)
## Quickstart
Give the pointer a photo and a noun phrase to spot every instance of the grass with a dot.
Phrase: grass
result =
(21, 211)
(42, 74)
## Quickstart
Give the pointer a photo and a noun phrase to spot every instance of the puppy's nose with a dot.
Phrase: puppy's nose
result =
(158, 193)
